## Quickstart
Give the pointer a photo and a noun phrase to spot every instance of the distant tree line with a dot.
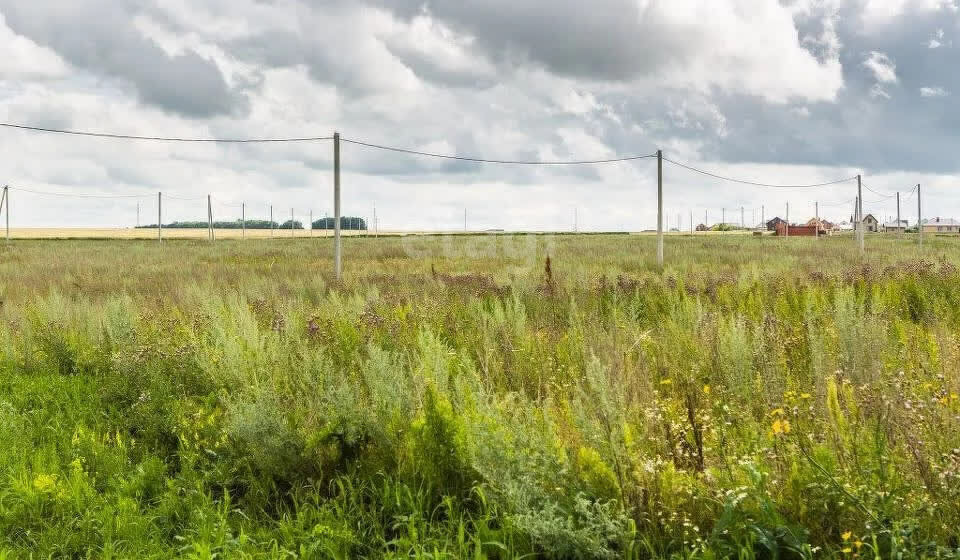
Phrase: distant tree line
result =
(346, 222)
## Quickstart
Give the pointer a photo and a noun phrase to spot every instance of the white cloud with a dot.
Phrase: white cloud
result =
(24, 59)
(933, 92)
(884, 69)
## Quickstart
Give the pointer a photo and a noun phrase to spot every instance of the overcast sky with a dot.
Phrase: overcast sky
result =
(788, 91)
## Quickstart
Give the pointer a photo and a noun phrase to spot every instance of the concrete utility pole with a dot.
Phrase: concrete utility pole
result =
(691, 221)
(660, 208)
(376, 228)
(5, 203)
(860, 211)
(243, 220)
(160, 217)
(742, 223)
(336, 205)
(919, 216)
(723, 216)
(763, 215)
(209, 219)
(816, 219)
(705, 223)
(898, 211)
(787, 229)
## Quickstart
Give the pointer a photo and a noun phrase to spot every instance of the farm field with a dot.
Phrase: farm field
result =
(480, 397)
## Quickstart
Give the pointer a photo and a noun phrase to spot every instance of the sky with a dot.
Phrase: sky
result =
(773, 91)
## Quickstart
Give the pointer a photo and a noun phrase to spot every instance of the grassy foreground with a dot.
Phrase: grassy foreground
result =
(462, 398)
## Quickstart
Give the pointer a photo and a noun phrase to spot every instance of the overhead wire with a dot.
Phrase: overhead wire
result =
(77, 195)
(497, 161)
(163, 138)
(756, 183)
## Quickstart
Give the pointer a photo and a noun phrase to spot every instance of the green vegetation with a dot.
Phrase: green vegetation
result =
(480, 397)
(346, 222)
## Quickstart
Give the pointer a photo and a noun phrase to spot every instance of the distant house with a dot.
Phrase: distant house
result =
(796, 231)
(941, 225)
(896, 226)
(702, 227)
(772, 224)
(824, 224)
(870, 223)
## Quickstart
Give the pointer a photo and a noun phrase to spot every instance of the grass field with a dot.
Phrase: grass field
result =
(480, 397)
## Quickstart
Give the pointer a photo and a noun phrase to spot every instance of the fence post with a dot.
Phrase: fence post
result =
(336, 206)
(160, 217)
(660, 208)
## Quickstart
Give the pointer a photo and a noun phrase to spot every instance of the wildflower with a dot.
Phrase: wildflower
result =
(666, 382)
(846, 536)
(858, 543)
(805, 395)
(776, 412)
(780, 427)
(847, 550)
(706, 389)
(45, 483)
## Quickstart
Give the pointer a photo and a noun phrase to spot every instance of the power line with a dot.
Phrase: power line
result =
(163, 138)
(754, 183)
(79, 195)
(500, 161)
(877, 192)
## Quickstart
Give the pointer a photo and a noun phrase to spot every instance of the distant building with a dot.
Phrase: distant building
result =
(772, 224)
(796, 231)
(825, 226)
(941, 225)
(870, 223)
(895, 226)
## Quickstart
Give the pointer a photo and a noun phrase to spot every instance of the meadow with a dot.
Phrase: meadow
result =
(480, 397)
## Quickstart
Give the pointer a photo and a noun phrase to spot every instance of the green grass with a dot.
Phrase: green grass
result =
(457, 397)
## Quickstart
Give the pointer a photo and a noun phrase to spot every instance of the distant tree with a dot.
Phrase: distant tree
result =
(346, 222)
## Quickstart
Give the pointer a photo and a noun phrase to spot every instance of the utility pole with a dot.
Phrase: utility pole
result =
(860, 211)
(691, 222)
(763, 215)
(723, 216)
(336, 205)
(209, 219)
(706, 224)
(816, 219)
(898, 211)
(919, 217)
(271, 220)
(742, 224)
(660, 208)
(788, 220)
(160, 217)
(376, 229)
(5, 199)
(243, 220)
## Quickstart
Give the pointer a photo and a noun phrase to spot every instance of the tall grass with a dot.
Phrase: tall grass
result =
(458, 397)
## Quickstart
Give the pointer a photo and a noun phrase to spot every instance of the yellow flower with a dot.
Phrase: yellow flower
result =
(846, 536)
(858, 543)
(780, 427)
(847, 550)
(776, 412)
(706, 389)
(805, 395)
(666, 382)
(45, 483)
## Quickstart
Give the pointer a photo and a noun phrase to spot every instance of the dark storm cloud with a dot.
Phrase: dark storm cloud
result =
(99, 36)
